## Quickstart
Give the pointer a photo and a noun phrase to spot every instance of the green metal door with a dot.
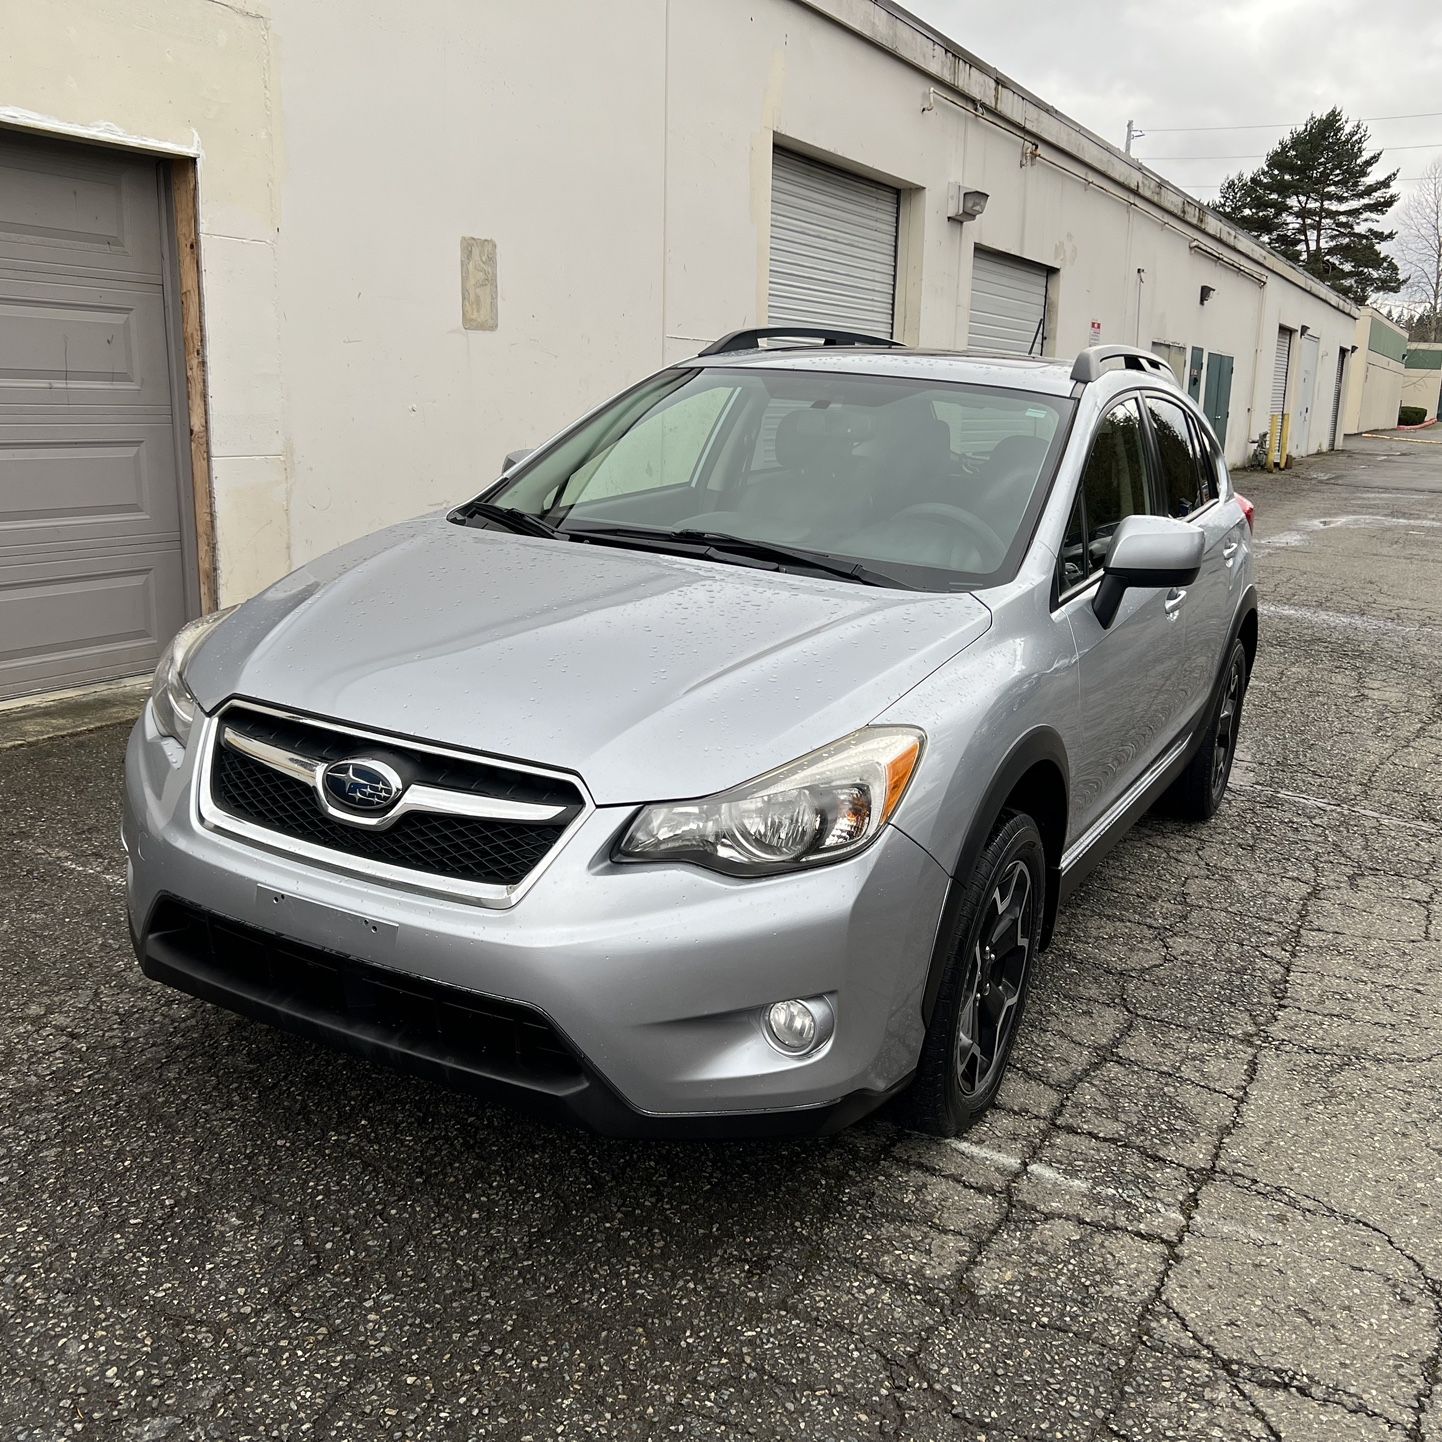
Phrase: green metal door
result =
(1194, 375)
(1218, 402)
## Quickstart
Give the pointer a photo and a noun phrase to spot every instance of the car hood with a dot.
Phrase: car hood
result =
(651, 676)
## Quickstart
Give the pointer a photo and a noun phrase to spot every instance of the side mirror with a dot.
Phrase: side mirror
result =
(514, 458)
(1150, 551)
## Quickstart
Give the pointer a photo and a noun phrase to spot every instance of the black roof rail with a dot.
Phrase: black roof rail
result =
(1090, 362)
(751, 339)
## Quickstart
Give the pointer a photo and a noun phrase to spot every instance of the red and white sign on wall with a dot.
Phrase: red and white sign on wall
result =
(1096, 332)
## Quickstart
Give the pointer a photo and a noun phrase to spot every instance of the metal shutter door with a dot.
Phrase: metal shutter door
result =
(833, 248)
(1008, 305)
(92, 568)
(1279, 372)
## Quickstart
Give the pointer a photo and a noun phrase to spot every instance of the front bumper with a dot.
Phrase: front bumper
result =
(652, 978)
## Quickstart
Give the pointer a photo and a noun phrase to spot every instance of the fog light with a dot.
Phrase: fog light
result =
(798, 1027)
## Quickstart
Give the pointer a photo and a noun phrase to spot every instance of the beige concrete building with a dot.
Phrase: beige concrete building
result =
(330, 261)
(1374, 387)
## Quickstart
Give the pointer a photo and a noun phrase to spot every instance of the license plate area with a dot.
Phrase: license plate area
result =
(350, 933)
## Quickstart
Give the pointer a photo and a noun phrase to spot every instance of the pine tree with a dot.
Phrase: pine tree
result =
(1313, 201)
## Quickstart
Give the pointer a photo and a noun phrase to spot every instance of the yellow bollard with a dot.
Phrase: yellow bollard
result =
(1283, 458)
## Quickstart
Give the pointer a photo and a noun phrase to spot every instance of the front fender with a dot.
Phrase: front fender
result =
(1004, 714)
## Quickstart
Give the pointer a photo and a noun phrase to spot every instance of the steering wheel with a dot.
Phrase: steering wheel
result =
(978, 529)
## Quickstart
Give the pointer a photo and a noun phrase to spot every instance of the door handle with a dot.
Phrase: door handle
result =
(1230, 550)
(1173, 602)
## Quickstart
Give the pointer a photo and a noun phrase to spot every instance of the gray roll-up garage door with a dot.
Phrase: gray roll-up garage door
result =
(1008, 305)
(92, 573)
(1279, 371)
(833, 248)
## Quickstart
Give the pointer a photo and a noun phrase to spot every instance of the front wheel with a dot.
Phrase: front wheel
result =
(988, 943)
(1199, 790)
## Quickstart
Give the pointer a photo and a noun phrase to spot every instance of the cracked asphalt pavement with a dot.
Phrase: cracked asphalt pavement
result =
(1206, 1206)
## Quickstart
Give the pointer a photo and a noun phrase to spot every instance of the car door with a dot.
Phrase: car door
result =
(1131, 672)
(1188, 490)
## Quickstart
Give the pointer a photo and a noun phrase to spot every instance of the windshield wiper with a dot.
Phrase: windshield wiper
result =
(522, 522)
(719, 546)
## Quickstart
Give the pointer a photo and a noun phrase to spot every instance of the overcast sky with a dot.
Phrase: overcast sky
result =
(1174, 67)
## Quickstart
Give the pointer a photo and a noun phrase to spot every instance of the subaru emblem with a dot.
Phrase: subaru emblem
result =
(361, 785)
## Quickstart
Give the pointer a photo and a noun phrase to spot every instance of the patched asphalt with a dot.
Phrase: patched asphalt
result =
(1206, 1207)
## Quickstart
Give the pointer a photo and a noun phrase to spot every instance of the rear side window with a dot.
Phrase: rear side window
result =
(664, 448)
(1212, 463)
(977, 430)
(1180, 480)
(1113, 487)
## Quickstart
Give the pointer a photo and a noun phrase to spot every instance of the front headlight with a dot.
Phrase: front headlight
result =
(822, 807)
(170, 700)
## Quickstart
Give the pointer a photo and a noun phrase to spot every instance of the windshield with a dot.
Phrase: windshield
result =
(930, 485)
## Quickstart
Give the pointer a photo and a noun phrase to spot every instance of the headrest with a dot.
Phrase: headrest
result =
(813, 434)
(1016, 453)
(931, 440)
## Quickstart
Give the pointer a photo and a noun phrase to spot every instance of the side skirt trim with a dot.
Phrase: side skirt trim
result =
(1083, 854)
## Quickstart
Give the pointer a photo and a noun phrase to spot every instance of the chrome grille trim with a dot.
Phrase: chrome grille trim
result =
(416, 797)
(213, 733)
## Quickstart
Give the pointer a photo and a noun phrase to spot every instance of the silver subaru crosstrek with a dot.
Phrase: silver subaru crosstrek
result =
(721, 767)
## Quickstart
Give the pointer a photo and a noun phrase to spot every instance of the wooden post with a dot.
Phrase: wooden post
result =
(192, 325)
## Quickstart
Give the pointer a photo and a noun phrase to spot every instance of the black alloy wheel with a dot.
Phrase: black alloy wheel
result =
(1199, 790)
(1229, 715)
(989, 935)
(996, 976)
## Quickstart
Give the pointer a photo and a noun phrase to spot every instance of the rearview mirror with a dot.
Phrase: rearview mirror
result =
(1149, 551)
(514, 458)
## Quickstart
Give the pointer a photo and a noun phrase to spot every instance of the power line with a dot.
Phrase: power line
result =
(1420, 145)
(1217, 185)
(1282, 124)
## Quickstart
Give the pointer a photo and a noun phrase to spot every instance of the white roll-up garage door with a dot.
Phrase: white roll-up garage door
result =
(833, 248)
(1279, 371)
(1008, 305)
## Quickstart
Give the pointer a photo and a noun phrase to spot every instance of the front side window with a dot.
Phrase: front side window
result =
(1180, 480)
(1113, 487)
(928, 484)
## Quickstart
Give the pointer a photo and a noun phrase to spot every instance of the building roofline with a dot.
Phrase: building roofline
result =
(994, 97)
(1375, 314)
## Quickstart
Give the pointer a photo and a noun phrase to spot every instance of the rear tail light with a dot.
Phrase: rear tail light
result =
(1248, 510)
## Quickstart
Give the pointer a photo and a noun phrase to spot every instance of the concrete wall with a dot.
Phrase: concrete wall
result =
(1374, 386)
(406, 128)
(619, 158)
(1422, 379)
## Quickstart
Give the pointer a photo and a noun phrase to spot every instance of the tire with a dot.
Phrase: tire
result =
(1198, 791)
(969, 1041)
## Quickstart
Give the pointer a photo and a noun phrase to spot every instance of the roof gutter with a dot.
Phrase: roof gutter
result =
(991, 97)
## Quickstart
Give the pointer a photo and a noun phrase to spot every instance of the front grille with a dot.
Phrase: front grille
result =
(373, 1008)
(479, 850)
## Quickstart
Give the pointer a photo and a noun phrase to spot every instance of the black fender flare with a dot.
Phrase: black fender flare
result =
(1248, 606)
(1040, 744)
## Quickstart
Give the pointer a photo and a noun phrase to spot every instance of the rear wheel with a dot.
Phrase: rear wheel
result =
(1199, 790)
(989, 942)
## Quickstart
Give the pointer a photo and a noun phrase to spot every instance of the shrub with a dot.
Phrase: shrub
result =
(1411, 415)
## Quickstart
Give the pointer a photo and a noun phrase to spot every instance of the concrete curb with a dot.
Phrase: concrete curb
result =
(66, 713)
